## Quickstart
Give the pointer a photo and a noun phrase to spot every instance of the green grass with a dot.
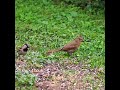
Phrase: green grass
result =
(45, 26)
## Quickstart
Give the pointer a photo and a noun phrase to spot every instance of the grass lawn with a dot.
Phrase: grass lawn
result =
(45, 26)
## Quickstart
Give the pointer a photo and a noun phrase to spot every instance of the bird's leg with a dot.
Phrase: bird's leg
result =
(69, 53)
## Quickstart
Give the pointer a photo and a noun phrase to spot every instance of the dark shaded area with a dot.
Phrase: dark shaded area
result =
(84, 4)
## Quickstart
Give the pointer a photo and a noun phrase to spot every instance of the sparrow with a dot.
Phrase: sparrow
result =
(23, 50)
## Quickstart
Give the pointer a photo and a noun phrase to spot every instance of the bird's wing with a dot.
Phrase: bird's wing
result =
(65, 48)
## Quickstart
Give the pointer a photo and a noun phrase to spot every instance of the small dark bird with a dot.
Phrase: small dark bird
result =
(70, 47)
(23, 50)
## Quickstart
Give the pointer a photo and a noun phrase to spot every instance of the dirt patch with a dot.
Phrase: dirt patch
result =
(68, 76)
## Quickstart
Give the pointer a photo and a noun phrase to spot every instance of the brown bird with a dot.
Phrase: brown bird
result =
(70, 47)
(23, 50)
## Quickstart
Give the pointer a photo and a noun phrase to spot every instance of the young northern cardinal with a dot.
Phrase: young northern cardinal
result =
(70, 47)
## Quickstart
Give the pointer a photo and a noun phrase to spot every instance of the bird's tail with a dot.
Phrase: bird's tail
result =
(52, 51)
